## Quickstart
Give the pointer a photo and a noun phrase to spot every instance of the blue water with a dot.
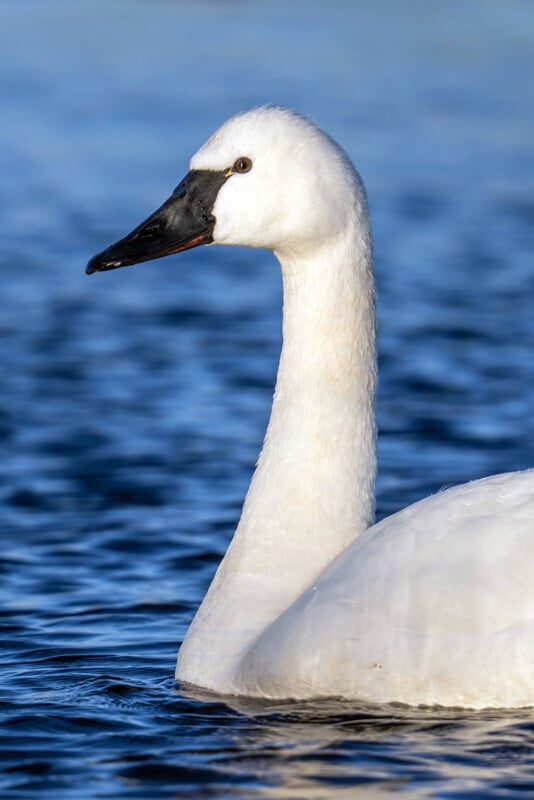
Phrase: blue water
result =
(133, 403)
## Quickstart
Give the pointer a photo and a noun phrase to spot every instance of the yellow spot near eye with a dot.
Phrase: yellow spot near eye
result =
(230, 172)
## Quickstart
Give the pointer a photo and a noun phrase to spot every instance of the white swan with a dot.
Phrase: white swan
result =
(433, 605)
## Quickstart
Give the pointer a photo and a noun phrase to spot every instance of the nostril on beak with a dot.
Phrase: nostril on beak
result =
(181, 190)
(153, 230)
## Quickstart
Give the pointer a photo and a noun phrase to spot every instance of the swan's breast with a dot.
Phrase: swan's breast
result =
(433, 600)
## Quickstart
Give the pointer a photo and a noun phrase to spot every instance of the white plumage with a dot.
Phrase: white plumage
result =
(434, 604)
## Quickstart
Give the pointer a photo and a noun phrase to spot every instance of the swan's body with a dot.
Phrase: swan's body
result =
(432, 605)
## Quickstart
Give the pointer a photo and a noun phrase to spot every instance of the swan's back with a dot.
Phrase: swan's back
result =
(434, 604)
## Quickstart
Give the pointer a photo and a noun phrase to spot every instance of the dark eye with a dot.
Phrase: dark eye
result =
(242, 164)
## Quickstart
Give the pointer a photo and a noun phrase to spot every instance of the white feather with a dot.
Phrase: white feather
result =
(432, 605)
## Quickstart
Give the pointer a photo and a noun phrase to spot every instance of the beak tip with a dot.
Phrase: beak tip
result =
(100, 264)
(94, 265)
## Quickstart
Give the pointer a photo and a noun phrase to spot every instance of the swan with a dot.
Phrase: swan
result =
(433, 605)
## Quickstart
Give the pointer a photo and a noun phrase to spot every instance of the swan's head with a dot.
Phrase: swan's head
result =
(267, 178)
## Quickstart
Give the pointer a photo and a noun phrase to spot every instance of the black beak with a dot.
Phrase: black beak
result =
(185, 220)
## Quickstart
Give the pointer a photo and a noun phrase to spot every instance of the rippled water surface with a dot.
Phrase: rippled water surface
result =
(133, 403)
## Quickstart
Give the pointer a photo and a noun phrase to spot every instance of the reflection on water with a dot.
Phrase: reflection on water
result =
(133, 404)
(394, 746)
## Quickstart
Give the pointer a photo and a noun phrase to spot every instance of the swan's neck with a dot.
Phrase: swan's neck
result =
(318, 461)
(313, 489)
